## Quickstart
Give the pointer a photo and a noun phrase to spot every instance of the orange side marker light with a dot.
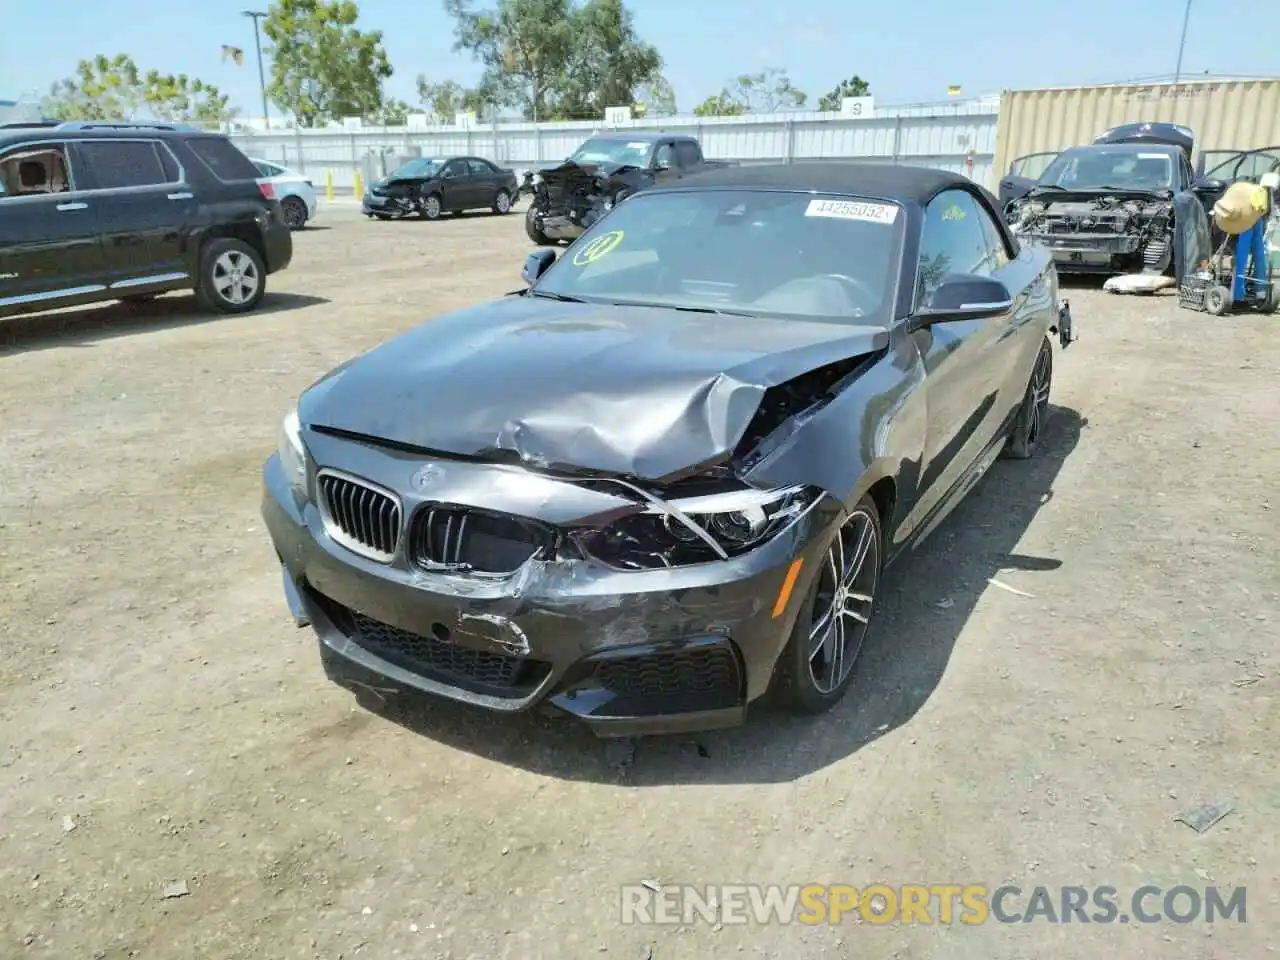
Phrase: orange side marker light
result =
(788, 584)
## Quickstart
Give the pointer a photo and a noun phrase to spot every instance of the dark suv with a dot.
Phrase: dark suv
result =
(93, 212)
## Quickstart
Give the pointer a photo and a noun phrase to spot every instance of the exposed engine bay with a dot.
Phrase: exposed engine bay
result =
(1099, 233)
(570, 198)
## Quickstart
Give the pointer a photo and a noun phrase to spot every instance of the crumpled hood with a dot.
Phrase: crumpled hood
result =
(631, 391)
(570, 175)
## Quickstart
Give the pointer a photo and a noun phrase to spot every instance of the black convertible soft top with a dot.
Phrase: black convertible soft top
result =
(881, 181)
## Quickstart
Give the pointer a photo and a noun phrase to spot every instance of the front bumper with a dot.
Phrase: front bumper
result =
(1085, 252)
(387, 206)
(626, 652)
(277, 241)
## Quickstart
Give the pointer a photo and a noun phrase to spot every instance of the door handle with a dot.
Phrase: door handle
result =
(72, 206)
(185, 195)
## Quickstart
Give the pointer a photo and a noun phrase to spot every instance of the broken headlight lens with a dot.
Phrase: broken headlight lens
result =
(692, 530)
(293, 455)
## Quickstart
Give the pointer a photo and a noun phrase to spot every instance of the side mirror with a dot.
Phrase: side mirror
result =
(964, 296)
(536, 264)
(1208, 185)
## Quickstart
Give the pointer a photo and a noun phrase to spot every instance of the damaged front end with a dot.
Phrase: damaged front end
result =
(635, 603)
(1093, 233)
(569, 198)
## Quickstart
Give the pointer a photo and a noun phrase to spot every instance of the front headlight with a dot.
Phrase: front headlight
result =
(293, 455)
(697, 529)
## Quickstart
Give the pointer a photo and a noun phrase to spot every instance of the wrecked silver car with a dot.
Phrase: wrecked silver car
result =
(668, 474)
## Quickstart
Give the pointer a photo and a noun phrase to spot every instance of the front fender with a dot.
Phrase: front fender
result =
(873, 429)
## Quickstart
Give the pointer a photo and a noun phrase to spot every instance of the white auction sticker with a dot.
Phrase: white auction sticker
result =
(1153, 156)
(852, 210)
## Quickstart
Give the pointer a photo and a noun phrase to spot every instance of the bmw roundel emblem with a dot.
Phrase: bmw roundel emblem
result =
(426, 475)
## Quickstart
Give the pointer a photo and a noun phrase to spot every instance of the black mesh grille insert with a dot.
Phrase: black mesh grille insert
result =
(475, 539)
(435, 656)
(693, 670)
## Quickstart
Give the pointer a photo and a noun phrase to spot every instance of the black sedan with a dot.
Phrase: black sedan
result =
(669, 473)
(430, 187)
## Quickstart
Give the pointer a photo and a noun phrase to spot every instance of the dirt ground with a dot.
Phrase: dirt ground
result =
(162, 722)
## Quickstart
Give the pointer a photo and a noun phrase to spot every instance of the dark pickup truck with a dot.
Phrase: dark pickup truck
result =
(570, 196)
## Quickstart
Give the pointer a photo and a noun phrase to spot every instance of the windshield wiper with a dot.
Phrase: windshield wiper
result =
(548, 295)
(1047, 186)
(686, 308)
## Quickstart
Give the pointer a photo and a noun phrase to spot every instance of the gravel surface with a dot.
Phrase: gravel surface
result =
(179, 780)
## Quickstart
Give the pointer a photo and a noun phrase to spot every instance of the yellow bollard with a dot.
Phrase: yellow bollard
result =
(359, 185)
(328, 184)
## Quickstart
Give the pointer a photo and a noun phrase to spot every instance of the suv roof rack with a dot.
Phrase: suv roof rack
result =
(21, 124)
(124, 125)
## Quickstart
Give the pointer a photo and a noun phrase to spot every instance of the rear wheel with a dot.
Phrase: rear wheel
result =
(502, 202)
(232, 276)
(816, 667)
(1029, 423)
(295, 212)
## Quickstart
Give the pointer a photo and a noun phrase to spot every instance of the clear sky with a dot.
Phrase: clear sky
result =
(908, 51)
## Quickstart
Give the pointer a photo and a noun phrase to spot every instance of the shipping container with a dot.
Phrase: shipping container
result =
(1224, 114)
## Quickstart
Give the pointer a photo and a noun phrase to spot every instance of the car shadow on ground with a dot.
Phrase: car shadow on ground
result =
(82, 327)
(926, 599)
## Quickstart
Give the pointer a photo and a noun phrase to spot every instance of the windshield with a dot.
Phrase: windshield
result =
(633, 153)
(424, 167)
(748, 252)
(1119, 167)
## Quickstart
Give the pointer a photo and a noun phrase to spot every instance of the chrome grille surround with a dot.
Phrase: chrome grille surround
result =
(361, 516)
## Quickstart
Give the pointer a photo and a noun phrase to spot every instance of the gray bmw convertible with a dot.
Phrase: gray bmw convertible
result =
(667, 475)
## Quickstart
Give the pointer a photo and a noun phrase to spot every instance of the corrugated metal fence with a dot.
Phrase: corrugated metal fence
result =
(959, 136)
(1225, 115)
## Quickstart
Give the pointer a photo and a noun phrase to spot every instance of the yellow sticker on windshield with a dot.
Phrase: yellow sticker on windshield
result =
(953, 212)
(598, 247)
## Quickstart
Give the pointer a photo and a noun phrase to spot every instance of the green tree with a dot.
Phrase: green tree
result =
(523, 45)
(392, 113)
(768, 91)
(855, 86)
(554, 59)
(655, 99)
(323, 67)
(102, 88)
(113, 88)
(609, 64)
(721, 104)
(184, 99)
(445, 100)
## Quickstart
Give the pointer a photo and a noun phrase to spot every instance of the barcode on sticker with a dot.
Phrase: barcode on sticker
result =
(852, 210)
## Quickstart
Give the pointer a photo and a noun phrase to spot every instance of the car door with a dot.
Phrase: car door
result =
(454, 185)
(1018, 334)
(666, 166)
(484, 182)
(144, 206)
(50, 251)
(962, 383)
(1231, 165)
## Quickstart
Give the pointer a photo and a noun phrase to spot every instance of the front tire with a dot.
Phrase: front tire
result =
(1029, 424)
(533, 227)
(502, 202)
(295, 212)
(430, 208)
(232, 276)
(816, 667)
